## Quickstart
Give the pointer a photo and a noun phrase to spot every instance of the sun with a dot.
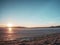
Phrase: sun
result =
(9, 25)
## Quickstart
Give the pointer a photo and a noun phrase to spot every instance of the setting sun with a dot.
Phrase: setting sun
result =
(10, 25)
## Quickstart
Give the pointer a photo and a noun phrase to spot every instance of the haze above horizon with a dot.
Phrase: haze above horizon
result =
(30, 13)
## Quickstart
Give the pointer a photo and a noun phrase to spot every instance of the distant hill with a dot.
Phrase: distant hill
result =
(18, 27)
(55, 27)
(47, 27)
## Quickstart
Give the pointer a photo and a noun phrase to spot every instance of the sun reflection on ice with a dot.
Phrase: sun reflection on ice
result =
(10, 34)
(10, 30)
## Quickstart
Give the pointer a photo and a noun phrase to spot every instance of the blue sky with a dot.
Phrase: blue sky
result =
(30, 13)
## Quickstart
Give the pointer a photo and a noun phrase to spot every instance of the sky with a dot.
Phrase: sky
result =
(30, 13)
